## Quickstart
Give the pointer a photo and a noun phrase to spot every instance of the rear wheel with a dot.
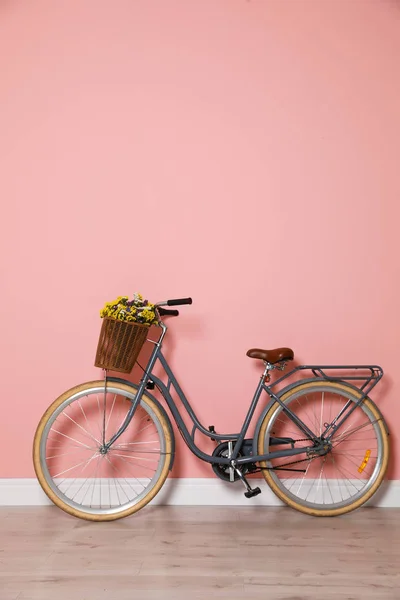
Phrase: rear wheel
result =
(74, 469)
(349, 473)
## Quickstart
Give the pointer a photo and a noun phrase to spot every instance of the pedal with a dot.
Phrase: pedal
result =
(250, 491)
(253, 492)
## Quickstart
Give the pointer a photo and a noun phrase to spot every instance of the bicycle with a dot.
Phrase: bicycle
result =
(103, 449)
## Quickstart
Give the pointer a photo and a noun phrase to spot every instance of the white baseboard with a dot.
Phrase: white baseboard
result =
(187, 492)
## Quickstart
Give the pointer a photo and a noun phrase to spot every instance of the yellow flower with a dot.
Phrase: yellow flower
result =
(134, 311)
(148, 315)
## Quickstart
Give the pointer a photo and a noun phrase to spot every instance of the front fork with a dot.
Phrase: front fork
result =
(128, 417)
(157, 345)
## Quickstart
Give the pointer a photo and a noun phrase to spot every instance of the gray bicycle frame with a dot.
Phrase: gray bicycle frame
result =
(238, 438)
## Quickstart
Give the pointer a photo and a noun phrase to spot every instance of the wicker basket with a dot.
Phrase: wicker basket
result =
(119, 344)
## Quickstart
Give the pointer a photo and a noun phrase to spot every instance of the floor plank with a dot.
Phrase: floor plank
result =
(189, 552)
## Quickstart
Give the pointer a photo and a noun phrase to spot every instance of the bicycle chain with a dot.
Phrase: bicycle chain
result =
(294, 462)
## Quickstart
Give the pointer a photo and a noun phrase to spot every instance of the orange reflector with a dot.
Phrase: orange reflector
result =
(365, 461)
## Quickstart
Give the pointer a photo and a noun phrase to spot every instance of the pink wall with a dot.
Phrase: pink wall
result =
(242, 152)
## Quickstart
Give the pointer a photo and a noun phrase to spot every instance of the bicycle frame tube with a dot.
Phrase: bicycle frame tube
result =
(238, 437)
(189, 439)
(197, 425)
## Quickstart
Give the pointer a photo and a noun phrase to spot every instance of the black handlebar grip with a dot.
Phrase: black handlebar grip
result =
(179, 301)
(165, 312)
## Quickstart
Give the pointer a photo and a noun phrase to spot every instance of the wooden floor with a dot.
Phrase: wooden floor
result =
(183, 553)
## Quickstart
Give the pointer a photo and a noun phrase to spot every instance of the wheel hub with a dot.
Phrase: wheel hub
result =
(322, 448)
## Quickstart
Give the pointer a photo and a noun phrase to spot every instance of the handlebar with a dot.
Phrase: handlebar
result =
(165, 312)
(175, 302)
(179, 301)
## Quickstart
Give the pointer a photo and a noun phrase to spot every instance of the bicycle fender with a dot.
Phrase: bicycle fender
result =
(159, 406)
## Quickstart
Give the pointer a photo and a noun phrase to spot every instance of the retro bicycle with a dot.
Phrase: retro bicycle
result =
(103, 449)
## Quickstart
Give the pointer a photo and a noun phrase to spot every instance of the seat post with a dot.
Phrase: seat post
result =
(266, 376)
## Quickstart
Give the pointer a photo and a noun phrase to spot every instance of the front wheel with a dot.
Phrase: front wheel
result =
(352, 469)
(75, 470)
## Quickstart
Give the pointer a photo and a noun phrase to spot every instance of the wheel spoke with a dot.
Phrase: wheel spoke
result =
(111, 411)
(322, 413)
(73, 439)
(84, 462)
(133, 465)
(343, 437)
(94, 483)
(127, 482)
(134, 457)
(80, 427)
(86, 419)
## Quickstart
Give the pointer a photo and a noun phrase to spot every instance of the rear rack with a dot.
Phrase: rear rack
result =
(367, 375)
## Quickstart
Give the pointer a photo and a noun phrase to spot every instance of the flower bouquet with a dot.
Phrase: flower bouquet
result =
(124, 330)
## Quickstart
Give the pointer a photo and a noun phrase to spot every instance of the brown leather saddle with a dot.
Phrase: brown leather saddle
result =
(271, 356)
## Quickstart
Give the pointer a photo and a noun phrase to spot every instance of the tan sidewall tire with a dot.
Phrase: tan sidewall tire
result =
(333, 512)
(80, 514)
